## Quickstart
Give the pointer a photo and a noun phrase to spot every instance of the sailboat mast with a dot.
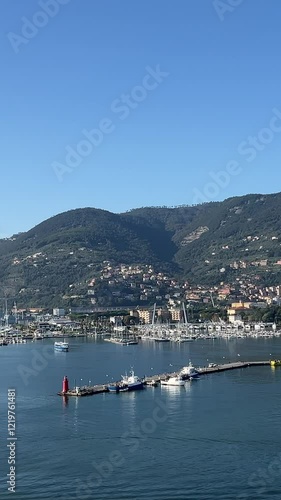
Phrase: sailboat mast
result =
(6, 314)
(184, 313)
(153, 315)
(15, 312)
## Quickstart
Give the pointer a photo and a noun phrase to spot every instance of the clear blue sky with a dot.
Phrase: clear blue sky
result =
(69, 75)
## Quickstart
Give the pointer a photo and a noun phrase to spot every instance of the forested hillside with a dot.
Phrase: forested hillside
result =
(204, 244)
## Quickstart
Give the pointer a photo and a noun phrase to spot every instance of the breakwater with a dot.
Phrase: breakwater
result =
(102, 388)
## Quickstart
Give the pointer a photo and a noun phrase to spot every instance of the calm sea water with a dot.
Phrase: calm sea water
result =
(217, 438)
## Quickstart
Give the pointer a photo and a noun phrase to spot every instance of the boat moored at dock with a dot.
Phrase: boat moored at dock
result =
(118, 387)
(127, 383)
(174, 381)
(133, 382)
(189, 371)
(122, 341)
(151, 383)
(161, 339)
(275, 362)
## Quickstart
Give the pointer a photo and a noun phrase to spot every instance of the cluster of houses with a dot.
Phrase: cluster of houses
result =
(142, 285)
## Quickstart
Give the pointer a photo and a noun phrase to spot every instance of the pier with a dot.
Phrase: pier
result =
(86, 390)
(102, 388)
(232, 366)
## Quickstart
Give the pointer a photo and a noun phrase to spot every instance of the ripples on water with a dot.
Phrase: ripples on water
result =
(216, 438)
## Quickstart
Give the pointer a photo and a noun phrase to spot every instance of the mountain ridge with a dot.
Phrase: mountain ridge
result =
(205, 244)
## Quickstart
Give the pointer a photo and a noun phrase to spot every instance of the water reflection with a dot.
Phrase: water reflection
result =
(129, 404)
(60, 354)
(64, 401)
(174, 390)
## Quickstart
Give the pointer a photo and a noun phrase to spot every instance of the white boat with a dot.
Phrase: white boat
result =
(129, 342)
(152, 383)
(183, 339)
(190, 371)
(61, 346)
(121, 341)
(176, 381)
(132, 381)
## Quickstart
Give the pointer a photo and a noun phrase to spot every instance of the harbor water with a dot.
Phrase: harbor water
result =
(216, 438)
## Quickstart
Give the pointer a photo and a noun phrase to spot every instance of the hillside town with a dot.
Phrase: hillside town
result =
(135, 290)
(142, 285)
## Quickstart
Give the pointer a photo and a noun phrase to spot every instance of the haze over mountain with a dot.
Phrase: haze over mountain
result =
(205, 244)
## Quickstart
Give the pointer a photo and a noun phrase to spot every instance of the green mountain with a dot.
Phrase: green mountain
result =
(205, 244)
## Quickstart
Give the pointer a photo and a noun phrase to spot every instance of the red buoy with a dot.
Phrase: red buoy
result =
(65, 384)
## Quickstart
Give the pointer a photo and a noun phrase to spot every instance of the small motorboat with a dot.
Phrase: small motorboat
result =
(161, 339)
(275, 362)
(129, 342)
(175, 381)
(152, 383)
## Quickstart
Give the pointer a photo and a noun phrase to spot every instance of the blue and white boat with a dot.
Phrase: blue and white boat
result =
(133, 382)
(61, 346)
(118, 387)
(128, 383)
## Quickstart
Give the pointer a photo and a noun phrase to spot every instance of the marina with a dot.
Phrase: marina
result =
(179, 332)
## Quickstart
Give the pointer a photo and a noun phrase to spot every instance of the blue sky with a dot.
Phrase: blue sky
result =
(174, 142)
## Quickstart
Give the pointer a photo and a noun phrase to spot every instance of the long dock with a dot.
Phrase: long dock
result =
(232, 366)
(102, 388)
